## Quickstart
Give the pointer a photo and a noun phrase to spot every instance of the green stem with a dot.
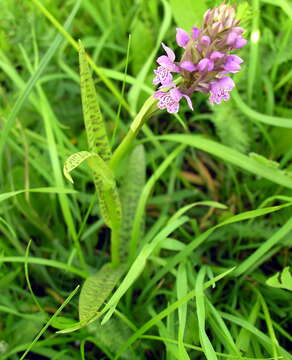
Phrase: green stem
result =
(122, 149)
(146, 111)
(144, 114)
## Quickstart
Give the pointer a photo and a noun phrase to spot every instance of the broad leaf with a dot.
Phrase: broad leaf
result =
(281, 280)
(98, 144)
(134, 182)
(95, 291)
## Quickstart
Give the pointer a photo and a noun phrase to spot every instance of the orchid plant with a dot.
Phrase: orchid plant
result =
(205, 64)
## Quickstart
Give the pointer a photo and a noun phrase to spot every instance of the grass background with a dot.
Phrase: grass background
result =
(210, 155)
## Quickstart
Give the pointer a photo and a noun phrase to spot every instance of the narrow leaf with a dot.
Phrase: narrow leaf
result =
(96, 289)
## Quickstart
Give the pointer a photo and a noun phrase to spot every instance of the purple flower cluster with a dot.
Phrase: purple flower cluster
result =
(206, 60)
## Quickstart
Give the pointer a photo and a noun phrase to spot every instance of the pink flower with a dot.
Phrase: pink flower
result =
(163, 77)
(205, 65)
(170, 100)
(195, 32)
(220, 89)
(232, 63)
(216, 55)
(167, 60)
(188, 66)
(205, 40)
(182, 37)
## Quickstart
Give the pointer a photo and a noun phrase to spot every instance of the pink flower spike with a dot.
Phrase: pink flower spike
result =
(182, 37)
(195, 32)
(188, 66)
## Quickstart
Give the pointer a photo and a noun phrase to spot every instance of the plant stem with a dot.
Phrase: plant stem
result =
(146, 111)
(144, 114)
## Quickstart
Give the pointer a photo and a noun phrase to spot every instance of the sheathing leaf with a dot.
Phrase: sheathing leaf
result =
(96, 289)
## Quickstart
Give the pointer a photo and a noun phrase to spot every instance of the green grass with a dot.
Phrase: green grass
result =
(212, 220)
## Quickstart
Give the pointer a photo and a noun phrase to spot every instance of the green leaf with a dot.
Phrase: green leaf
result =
(97, 164)
(141, 49)
(134, 181)
(233, 157)
(95, 291)
(263, 160)
(104, 182)
(94, 124)
(188, 13)
(281, 280)
(111, 336)
(201, 314)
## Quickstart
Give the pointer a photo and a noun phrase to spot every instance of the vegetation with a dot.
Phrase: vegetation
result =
(176, 246)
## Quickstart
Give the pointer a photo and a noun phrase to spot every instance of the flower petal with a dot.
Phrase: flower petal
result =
(205, 65)
(169, 52)
(205, 40)
(188, 66)
(182, 37)
(189, 101)
(234, 58)
(195, 32)
(216, 55)
(175, 94)
(239, 43)
(172, 108)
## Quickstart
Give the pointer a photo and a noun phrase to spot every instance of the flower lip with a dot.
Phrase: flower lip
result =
(170, 100)
(163, 76)
(219, 90)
